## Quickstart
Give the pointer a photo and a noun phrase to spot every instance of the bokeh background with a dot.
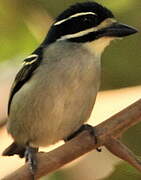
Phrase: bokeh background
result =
(23, 26)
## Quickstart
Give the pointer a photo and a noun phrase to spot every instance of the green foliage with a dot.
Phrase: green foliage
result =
(123, 171)
(132, 139)
(63, 4)
(121, 65)
(15, 38)
(17, 43)
(121, 62)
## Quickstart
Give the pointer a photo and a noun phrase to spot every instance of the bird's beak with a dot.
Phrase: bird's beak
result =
(118, 30)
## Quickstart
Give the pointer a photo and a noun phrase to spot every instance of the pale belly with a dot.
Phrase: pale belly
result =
(49, 118)
(57, 100)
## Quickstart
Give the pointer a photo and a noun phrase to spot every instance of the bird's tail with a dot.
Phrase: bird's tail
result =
(14, 149)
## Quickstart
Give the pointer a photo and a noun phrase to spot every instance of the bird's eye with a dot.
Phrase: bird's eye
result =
(86, 19)
(89, 19)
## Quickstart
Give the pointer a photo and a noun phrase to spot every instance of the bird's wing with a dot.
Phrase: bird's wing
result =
(30, 64)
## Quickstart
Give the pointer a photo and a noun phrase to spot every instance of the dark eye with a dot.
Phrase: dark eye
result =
(87, 19)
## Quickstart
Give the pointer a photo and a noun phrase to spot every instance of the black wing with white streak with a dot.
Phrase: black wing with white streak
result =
(30, 64)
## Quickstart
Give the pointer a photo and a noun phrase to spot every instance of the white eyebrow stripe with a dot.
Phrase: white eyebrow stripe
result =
(104, 24)
(75, 15)
(78, 34)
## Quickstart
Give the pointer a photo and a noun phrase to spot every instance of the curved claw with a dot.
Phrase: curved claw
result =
(85, 127)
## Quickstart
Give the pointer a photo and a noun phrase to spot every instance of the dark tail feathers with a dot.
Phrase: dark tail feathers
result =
(14, 149)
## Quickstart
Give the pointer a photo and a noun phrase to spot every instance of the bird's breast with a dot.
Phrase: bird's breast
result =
(56, 101)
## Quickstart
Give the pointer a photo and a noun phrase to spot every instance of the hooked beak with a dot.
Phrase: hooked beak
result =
(117, 30)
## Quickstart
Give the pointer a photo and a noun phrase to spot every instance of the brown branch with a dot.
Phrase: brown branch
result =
(108, 133)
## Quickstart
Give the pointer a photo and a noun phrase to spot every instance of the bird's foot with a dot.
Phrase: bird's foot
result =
(84, 127)
(30, 157)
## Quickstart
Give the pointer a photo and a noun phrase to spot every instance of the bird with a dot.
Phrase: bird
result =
(54, 92)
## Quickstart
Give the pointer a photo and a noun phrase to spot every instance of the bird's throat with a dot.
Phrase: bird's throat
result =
(97, 47)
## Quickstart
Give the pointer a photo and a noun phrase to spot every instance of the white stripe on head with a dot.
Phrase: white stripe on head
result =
(78, 34)
(74, 15)
(104, 24)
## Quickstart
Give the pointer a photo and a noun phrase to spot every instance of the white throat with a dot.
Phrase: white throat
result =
(97, 47)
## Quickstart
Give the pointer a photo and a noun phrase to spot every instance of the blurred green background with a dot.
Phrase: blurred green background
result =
(23, 26)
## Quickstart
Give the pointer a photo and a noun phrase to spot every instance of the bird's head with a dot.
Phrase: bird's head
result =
(89, 23)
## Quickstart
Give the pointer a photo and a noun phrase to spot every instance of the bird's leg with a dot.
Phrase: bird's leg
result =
(30, 157)
(84, 127)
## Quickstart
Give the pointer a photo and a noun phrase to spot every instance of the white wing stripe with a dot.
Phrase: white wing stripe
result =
(27, 61)
(107, 22)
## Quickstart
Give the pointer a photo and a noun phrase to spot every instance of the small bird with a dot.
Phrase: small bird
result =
(54, 92)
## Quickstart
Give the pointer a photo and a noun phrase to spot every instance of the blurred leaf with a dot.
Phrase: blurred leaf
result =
(17, 23)
(132, 138)
(124, 172)
(24, 24)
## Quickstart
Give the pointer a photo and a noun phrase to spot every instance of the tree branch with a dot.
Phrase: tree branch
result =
(108, 133)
